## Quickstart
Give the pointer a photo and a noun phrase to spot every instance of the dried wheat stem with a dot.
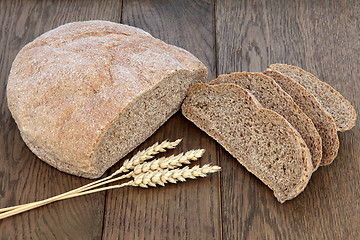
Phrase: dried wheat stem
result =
(129, 175)
(146, 154)
(160, 177)
(70, 194)
(55, 198)
(169, 162)
(129, 183)
(51, 200)
(144, 174)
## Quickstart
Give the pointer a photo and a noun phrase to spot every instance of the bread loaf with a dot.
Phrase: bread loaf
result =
(271, 96)
(331, 100)
(260, 139)
(87, 93)
(322, 120)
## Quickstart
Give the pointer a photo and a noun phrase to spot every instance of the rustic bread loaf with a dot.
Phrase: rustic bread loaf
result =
(322, 120)
(331, 100)
(271, 96)
(87, 93)
(260, 139)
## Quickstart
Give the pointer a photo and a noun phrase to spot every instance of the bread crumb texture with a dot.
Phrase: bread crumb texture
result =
(260, 139)
(323, 121)
(271, 96)
(331, 100)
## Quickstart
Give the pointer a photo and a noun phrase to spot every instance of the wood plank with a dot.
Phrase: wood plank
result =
(186, 24)
(23, 177)
(188, 210)
(322, 37)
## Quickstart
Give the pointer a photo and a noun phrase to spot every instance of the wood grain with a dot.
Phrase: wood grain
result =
(227, 35)
(321, 37)
(188, 210)
(186, 24)
(23, 177)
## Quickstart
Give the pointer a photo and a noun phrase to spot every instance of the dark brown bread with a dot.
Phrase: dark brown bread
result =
(260, 139)
(322, 120)
(87, 93)
(271, 96)
(331, 100)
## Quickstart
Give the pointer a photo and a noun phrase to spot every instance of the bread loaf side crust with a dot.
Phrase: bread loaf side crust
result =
(67, 87)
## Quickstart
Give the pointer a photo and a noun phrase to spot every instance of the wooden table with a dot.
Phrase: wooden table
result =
(319, 36)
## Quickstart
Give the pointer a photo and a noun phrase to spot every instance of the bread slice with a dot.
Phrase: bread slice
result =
(271, 96)
(260, 139)
(87, 93)
(322, 120)
(331, 100)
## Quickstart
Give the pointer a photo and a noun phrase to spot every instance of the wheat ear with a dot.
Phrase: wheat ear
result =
(146, 154)
(152, 178)
(169, 162)
(128, 165)
(161, 177)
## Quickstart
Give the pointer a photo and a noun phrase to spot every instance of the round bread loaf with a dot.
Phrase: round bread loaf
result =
(87, 93)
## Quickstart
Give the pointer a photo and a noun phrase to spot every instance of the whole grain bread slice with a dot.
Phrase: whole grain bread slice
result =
(331, 100)
(271, 96)
(322, 120)
(259, 138)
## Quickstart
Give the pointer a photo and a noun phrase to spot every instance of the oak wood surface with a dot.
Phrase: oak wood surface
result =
(227, 35)
(321, 37)
(184, 211)
(23, 177)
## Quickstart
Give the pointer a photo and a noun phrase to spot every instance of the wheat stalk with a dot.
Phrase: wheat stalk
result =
(161, 163)
(129, 164)
(161, 177)
(151, 178)
(156, 172)
(158, 164)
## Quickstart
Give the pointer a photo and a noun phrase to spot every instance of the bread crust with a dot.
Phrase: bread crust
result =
(69, 85)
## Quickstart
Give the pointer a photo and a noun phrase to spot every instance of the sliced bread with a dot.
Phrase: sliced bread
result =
(260, 139)
(271, 96)
(331, 100)
(322, 120)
